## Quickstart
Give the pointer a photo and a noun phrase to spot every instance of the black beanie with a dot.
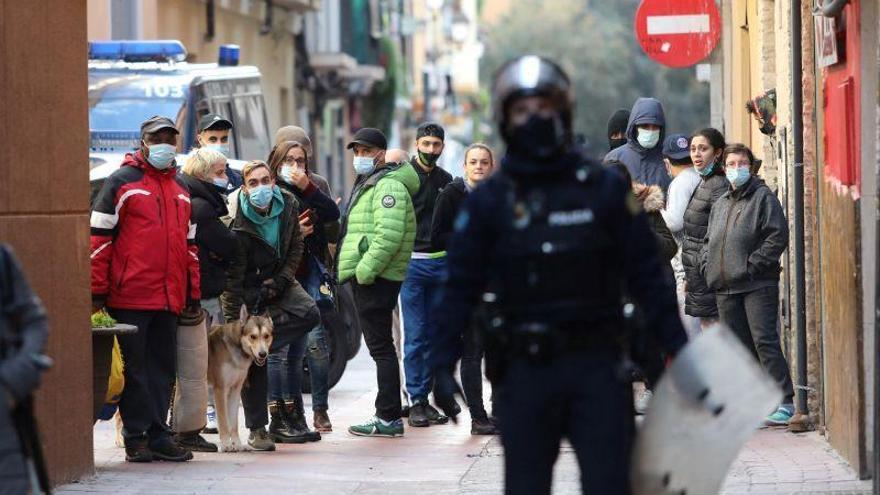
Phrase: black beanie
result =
(618, 122)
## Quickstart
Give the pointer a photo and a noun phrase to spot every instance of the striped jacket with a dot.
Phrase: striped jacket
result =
(143, 250)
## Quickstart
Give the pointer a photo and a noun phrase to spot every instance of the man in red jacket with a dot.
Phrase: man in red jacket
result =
(145, 270)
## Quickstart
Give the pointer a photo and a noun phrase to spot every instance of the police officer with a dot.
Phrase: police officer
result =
(546, 250)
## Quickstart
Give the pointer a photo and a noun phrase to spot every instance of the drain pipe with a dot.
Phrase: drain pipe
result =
(801, 421)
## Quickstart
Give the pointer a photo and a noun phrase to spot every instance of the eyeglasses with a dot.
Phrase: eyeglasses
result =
(288, 160)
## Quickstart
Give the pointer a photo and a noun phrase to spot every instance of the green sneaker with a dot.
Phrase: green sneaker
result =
(375, 427)
(781, 417)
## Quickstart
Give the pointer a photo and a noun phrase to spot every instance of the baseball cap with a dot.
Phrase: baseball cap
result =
(430, 129)
(677, 147)
(156, 123)
(214, 122)
(369, 136)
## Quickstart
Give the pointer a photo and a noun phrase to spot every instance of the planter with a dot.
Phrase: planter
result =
(102, 355)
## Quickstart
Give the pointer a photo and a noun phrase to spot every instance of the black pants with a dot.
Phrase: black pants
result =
(472, 372)
(583, 397)
(150, 357)
(753, 317)
(255, 392)
(375, 304)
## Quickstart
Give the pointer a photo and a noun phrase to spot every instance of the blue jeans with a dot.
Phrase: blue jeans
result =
(318, 356)
(420, 297)
(285, 381)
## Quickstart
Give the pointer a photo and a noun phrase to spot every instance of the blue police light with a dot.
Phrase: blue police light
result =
(229, 55)
(138, 51)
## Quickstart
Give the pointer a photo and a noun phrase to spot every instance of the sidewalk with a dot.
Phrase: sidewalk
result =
(440, 460)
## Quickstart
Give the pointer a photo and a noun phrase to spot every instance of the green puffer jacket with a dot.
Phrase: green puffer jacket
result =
(379, 230)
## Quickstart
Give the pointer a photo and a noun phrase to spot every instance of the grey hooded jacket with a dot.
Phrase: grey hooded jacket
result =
(645, 165)
(747, 234)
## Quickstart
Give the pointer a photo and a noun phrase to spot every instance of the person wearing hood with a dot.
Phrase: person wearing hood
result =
(289, 161)
(645, 350)
(642, 153)
(524, 243)
(707, 145)
(617, 129)
(204, 173)
(377, 237)
(478, 166)
(145, 271)
(262, 277)
(747, 235)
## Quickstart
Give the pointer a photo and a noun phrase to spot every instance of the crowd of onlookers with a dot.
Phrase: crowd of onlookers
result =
(722, 227)
(178, 244)
(173, 242)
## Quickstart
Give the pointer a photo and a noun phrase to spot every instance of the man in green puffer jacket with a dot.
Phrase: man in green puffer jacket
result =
(377, 235)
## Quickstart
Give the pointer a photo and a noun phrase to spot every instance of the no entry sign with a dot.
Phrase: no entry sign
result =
(678, 33)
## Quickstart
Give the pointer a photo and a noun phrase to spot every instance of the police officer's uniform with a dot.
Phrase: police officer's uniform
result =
(551, 244)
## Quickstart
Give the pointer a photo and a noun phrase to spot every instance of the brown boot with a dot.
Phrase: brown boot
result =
(322, 422)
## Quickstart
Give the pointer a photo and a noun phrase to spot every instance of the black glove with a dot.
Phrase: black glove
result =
(446, 387)
(272, 288)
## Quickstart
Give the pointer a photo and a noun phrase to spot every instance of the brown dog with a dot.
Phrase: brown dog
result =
(231, 350)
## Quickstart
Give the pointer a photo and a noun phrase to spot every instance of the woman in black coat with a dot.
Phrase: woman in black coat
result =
(707, 146)
(204, 174)
(478, 165)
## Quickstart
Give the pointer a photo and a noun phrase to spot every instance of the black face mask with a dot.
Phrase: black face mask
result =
(429, 159)
(540, 137)
(616, 143)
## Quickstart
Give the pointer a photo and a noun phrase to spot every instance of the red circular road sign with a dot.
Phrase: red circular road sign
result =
(678, 33)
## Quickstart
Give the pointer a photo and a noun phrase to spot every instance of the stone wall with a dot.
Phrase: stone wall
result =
(44, 206)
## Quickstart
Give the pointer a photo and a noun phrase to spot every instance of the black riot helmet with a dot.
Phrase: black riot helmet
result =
(531, 75)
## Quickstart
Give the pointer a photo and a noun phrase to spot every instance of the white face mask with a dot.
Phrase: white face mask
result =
(648, 139)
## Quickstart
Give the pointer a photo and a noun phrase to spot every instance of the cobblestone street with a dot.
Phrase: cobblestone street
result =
(441, 460)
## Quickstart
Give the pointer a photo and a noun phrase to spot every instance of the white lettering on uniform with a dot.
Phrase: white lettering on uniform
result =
(573, 217)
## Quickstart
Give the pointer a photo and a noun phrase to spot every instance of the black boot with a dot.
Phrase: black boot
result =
(279, 428)
(296, 417)
(137, 449)
(193, 441)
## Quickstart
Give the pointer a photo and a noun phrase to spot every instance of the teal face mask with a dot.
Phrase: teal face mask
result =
(707, 170)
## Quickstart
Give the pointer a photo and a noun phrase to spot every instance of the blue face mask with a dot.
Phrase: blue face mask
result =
(161, 155)
(222, 148)
(363, 164)
(737, 175)
(221, 183)
(261, 196)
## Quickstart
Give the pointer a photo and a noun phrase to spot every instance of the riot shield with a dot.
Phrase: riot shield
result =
(706, 406)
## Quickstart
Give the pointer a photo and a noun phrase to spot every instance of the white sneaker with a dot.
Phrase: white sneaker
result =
(643, 401)
(211, 424)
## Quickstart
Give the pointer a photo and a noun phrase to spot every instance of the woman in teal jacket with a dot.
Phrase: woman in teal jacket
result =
(377, 240)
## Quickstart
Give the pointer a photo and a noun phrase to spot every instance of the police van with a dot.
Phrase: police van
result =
(130, 81)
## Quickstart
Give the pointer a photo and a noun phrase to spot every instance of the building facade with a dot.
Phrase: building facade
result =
(840, 162)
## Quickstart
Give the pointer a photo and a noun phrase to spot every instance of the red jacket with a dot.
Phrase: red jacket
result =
(144, 255)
